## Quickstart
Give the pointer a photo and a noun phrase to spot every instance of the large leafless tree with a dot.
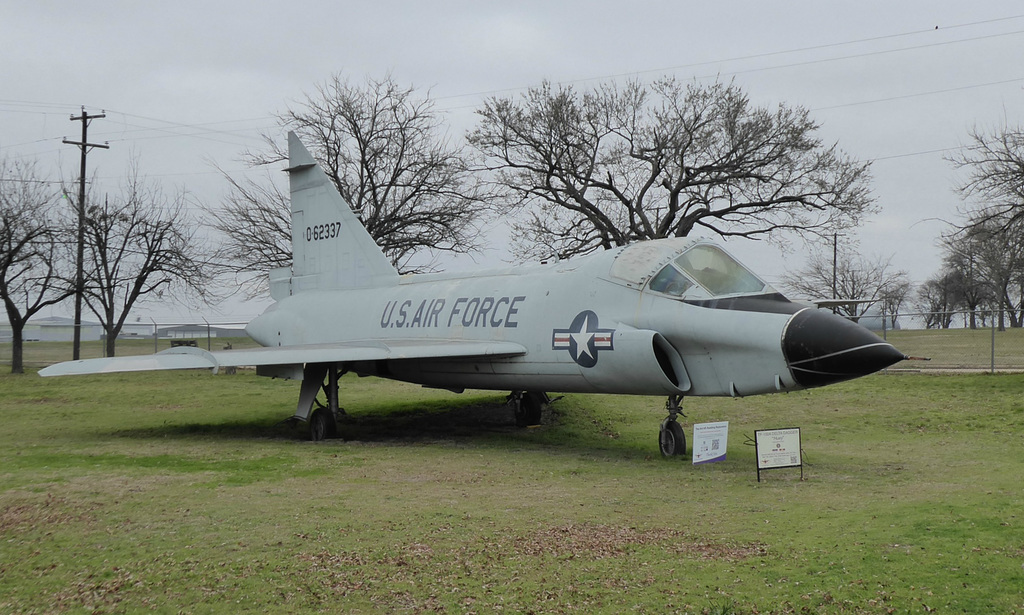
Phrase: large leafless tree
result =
(30, 256)
(616, 164)
(139, 244)
(385, 148)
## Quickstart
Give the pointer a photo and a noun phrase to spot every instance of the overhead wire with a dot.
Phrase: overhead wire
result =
(768, 54)
(201, 131)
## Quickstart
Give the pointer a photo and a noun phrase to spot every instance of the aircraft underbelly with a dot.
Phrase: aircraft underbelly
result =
(636, 375)
(557, 383)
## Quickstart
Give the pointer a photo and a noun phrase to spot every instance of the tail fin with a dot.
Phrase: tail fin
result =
(331, 249)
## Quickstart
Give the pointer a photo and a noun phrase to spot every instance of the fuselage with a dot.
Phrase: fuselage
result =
(586, 327)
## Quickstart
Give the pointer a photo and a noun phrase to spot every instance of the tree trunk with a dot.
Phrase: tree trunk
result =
(17, 348)
(111, 336)
(1016, 319)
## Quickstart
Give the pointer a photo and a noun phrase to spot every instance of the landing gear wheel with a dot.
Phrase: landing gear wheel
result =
(321, 425)
(528, 408)
(671, 439)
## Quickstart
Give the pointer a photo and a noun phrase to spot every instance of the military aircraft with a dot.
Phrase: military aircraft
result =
(672, 317)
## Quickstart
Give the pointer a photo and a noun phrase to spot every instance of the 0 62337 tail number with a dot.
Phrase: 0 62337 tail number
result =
(320, 232)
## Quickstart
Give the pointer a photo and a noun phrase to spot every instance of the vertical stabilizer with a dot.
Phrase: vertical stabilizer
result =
(331, 249)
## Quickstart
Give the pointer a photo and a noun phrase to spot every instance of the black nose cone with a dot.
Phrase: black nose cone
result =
(822, 348)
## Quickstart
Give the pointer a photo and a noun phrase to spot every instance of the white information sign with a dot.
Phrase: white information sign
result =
(778, 448)
(710, 441)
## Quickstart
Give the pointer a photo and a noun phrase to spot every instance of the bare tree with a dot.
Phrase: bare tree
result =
(385, 149)
(30, 263)
(255, 223)
(138, 244)
(613, 165)
(994, 250)
(994, 184)
(857, 278)
(893, 296)
(987, 249)
(937, 298)
(963, 261)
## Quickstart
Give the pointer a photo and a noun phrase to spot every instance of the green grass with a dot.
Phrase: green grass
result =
(183, 492)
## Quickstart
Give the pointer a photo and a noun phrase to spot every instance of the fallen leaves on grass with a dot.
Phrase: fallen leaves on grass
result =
(388, 576)
(96, 593)
(597, 541)
(38, 513)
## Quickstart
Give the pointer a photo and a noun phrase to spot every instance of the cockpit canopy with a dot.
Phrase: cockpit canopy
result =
(686, 268)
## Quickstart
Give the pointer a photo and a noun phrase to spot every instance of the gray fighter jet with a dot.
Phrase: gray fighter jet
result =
(672, 317)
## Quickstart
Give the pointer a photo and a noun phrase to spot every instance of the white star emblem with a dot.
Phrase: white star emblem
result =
(582, 339)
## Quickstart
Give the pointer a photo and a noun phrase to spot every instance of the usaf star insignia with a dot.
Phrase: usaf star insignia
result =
(583, 339)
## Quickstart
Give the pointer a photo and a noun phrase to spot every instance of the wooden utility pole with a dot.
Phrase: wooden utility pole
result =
(79, 277)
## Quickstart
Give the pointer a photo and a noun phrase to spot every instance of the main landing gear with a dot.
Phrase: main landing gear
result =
(671, 439)
(528, 407)
(323, 420)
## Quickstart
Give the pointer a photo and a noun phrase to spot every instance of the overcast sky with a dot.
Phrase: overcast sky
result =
(188, 84)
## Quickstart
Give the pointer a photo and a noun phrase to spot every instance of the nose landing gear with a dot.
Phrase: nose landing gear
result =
(671, 439)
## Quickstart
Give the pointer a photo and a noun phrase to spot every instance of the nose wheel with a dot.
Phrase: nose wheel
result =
(671, 439)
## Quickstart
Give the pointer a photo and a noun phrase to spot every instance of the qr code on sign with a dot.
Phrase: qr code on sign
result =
(793, 459)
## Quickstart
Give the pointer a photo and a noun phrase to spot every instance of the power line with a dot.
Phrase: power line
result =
(199, 128)
(919, 94)
(201, 135)
(779, 53)
(941, 150)
(19, 180)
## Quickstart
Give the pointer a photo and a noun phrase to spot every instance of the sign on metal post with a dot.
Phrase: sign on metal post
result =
(710, 441)
(778, 448)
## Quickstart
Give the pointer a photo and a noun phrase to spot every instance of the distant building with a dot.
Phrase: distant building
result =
(199, 331)
(60, 329)
(53, 329)
(872, 319)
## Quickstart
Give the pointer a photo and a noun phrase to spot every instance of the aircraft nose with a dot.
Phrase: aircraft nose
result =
(822, 348)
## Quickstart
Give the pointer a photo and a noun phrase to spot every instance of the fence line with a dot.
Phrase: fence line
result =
(990, 344)
(50, 343)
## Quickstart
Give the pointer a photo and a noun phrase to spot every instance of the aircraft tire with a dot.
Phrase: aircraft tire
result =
(530, 409)
(319, 425)
(671, 439)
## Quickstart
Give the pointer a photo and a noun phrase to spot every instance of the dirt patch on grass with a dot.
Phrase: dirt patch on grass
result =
(35, 513)
(95, 593)
(584, 541)
(595, 541)
(425, 576)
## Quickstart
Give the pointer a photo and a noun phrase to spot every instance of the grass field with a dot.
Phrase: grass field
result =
(961, 348)
(182, 492)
